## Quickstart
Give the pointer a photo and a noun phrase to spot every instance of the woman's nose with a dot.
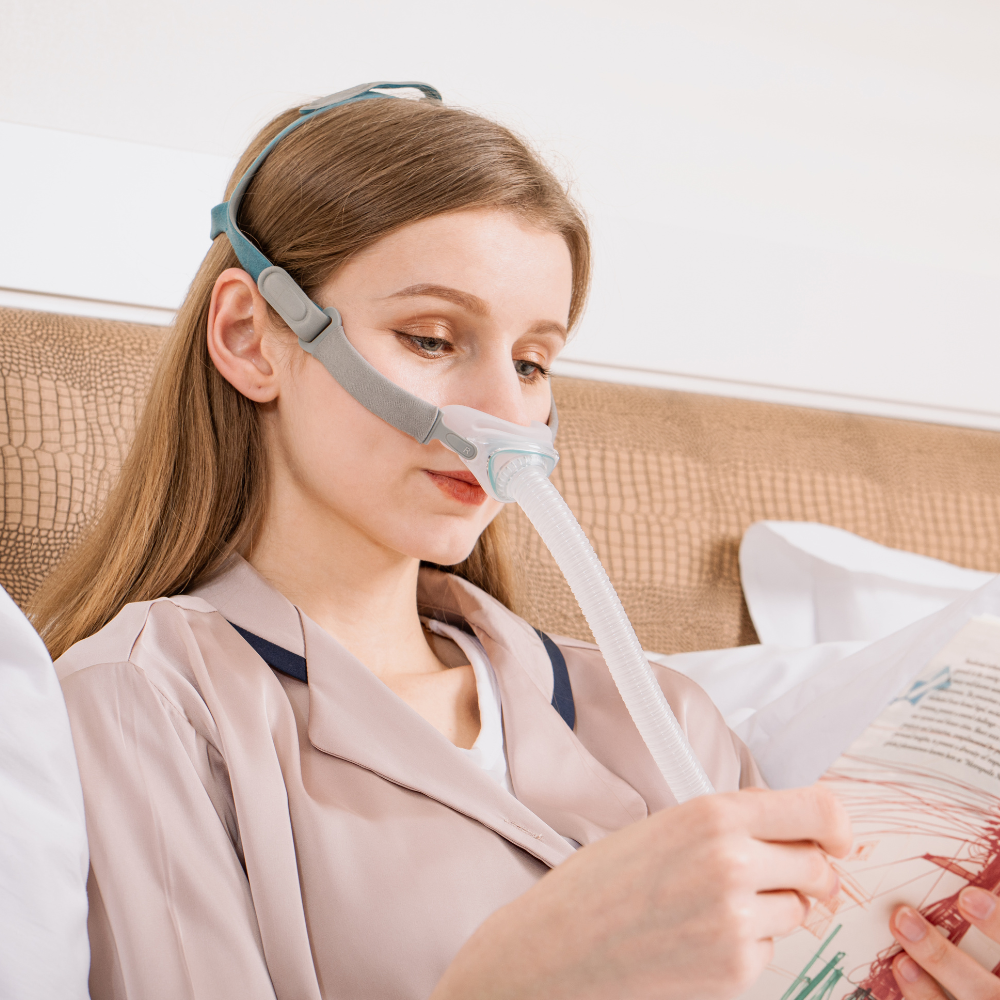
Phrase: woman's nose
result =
(496, 388)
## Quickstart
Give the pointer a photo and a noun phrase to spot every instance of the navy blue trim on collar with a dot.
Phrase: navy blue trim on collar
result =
(275, 656)
(292, 665)
(562, 690)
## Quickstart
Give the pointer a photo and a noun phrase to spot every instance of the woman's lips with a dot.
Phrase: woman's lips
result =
(459, 485)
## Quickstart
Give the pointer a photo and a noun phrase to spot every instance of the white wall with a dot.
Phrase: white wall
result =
(790, 201)
(103, 220)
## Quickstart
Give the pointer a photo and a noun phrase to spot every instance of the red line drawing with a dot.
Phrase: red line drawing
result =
(955, 810)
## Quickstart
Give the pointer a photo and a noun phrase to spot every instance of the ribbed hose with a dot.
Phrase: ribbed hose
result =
(554, 521)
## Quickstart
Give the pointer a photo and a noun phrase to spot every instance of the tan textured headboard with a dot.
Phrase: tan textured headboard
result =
(664, 483)
(72, 389)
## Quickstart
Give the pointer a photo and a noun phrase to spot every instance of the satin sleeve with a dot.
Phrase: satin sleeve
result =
(171, 913)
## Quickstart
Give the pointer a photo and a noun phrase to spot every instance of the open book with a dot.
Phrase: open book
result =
(922, 787)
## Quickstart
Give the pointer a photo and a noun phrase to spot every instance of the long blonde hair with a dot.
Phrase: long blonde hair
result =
(193, 487)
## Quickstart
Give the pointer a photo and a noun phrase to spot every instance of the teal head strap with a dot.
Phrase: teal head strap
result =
(320, 331)
(304, 316)
(224, 215)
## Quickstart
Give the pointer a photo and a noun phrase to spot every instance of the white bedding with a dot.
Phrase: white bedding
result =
(744, 679)
(44, 952)
(845, 624)
(806, 583)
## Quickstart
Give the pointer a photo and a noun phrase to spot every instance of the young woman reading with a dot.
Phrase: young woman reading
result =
(318, 749)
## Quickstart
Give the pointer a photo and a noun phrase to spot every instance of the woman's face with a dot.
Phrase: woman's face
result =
(466, 308)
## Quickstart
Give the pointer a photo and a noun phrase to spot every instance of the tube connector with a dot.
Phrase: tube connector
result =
(499, 444)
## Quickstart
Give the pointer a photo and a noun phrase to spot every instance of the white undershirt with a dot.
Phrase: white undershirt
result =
(488, 751)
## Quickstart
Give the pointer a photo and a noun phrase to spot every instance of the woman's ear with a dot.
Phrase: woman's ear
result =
(237, 322)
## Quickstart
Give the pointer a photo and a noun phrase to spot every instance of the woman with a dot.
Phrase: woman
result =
(314, 763)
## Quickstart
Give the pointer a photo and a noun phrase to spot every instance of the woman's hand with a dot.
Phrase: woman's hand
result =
(930, 961)
(685, 903)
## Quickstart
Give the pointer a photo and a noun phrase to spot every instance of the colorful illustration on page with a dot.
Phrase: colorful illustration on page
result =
(922, 787)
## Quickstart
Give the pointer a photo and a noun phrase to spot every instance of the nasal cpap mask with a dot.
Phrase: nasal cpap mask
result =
(512, 463)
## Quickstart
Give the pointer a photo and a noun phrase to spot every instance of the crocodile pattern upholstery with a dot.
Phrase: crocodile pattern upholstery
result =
(664, 483)
(72, 390)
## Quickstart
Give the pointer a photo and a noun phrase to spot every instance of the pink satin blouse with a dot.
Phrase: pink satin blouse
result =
(254, 836)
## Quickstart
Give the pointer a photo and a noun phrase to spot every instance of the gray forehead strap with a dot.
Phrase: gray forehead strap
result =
(320, 331)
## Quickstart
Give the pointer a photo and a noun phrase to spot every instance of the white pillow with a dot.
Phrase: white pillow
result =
(807, 583)
(744, 679)
(44, 950)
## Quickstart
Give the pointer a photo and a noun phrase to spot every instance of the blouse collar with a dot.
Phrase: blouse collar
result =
(558, 784)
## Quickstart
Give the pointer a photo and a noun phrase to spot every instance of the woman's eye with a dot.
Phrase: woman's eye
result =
(428, 345)
(530, 370)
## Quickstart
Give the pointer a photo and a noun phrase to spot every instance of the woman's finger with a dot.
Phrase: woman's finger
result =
(979, 907)
(957, 972)
(778, 914)
(913, 982)
(796, 814)
(802, 867)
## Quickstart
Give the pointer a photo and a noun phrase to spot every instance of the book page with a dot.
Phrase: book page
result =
(922, 787)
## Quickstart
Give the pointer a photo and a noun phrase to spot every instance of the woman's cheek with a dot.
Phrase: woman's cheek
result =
(368, 474)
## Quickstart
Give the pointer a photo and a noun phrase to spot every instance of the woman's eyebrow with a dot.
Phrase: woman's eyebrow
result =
(472, 303)
(549, 326)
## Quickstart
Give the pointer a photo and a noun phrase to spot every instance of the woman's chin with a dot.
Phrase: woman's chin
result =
(447, 558)
(445, 554)
(444, 539)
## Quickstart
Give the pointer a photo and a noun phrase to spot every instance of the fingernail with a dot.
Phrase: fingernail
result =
(977, 902)
(909, 924)
(908, 969)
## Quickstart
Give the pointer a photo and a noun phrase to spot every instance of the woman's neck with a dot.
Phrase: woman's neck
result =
(362, 594)
(365, 596)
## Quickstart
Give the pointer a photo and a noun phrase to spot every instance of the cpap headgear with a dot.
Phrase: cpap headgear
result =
(482, 441)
